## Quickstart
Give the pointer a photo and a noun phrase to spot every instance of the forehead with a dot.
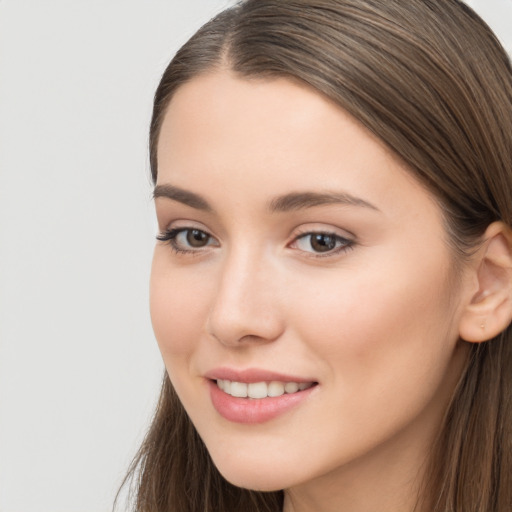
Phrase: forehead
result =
(258, 137)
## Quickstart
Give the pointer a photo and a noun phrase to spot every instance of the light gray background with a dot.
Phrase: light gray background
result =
(79, 370)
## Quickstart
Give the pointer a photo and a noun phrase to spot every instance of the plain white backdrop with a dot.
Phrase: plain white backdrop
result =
(79, 368)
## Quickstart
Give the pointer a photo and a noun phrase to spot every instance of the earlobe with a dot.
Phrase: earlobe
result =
(489, 310)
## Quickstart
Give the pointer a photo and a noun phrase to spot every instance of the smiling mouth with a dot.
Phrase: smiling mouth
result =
(259, 390)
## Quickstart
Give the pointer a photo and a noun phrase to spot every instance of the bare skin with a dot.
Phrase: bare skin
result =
(350, 289)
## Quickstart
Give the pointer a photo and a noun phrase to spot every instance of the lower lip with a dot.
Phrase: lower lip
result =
(254, 410)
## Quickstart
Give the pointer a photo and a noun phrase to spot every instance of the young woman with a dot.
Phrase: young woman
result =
(331, 288)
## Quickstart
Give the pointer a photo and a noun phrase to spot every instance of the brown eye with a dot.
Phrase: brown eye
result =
(322, 242)
(197, 238)
(186, 240)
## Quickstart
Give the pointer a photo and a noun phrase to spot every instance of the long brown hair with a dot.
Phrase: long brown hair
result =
(429, 78)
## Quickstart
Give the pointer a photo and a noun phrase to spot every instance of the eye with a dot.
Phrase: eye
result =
(193, 237)
(321, 243)
(185, 240)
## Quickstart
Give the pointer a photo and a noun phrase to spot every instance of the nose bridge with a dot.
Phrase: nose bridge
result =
(245, 306)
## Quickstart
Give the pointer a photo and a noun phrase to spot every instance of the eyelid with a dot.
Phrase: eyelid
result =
(348, 240)
(183, 224)
(170, 234)
(318, 227)
(343, 240)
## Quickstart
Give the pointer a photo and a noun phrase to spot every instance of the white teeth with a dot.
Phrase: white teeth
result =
(261, 389)
(238, 389)
(291, 387)
(275, 388)
(257, 390)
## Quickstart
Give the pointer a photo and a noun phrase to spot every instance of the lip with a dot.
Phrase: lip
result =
(252, 375)
(254, 411)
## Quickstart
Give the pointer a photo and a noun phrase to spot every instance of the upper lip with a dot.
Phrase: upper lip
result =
(251, 375)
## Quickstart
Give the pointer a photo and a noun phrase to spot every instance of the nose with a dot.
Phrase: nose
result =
(246, 308)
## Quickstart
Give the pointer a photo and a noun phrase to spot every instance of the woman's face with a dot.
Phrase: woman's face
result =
(301, 260)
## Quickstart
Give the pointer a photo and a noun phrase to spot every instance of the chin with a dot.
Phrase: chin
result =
(270, 476)
(254, 480)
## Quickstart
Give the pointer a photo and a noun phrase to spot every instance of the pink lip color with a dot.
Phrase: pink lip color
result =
(252, 375)
(248, 410)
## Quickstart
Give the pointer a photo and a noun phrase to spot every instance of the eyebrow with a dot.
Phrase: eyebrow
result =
(182, 196)
(285, 203)
(301, 200)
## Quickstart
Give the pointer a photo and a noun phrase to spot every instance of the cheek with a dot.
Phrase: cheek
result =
(386, 349)
(367, 323)
(179, 301)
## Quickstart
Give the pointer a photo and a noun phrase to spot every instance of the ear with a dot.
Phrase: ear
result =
(489, 311)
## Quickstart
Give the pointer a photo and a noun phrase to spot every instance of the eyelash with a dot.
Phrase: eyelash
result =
(169, 237)
(346, 244)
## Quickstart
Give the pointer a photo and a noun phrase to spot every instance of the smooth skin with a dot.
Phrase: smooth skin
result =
(368, 307)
